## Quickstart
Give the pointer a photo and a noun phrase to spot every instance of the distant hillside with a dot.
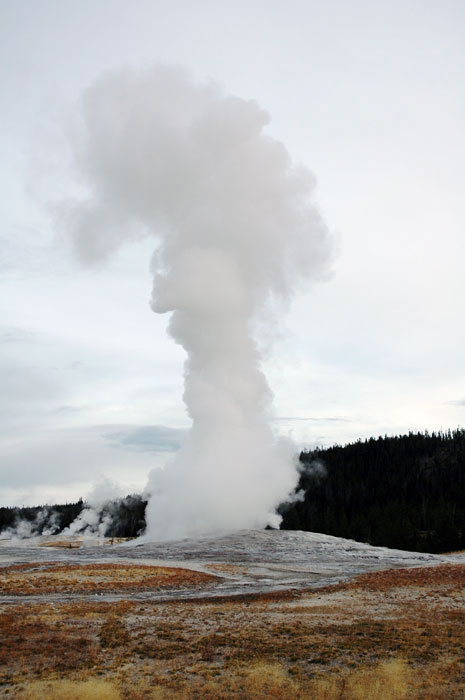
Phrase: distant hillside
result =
(405, 492)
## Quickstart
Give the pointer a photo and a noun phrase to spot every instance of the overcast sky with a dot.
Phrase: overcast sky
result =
(370, 96)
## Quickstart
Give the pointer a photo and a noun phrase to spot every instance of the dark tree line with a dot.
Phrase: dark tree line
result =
(41, 518)
(405, 492)
(126, 517)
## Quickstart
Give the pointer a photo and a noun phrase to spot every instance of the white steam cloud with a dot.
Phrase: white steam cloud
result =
(45, 522)
(235, 229)
(98, 513)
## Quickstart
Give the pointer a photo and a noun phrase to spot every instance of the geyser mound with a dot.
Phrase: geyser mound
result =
(236, 231)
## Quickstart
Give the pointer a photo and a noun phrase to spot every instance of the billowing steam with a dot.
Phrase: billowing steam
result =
(236, 232)
(98, 513)
(45, 521)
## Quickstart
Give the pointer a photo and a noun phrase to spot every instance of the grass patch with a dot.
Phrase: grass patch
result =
(113, 633)
(354, 643)
(450, 575)
(72, 690)
(390, 680)
(33, 579)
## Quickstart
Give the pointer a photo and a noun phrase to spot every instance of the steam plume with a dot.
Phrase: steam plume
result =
(97, 516)
(44, 522)
(235, 229)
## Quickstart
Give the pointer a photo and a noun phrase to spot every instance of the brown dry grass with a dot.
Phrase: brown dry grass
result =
(72, 690)
(62, 544)
(226, 569)
(31, 579)
(450, 575)
(402, 635)
(391, 680)
(76, 542)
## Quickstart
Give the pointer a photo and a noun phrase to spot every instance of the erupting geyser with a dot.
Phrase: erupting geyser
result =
(235, 228)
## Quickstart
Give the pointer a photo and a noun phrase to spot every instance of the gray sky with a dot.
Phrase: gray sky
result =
(370, 96)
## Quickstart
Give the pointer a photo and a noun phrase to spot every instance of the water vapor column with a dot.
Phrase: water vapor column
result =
(235, 229)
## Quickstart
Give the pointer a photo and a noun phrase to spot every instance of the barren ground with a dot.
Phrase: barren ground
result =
(314, 622)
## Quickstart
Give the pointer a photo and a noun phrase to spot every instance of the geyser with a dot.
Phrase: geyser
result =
(236, 234)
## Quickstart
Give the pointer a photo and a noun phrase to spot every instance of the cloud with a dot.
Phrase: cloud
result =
(323, 419)
(146, 438)
(28, 384)
(68, 410)
(12, 334)
(64, 463)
